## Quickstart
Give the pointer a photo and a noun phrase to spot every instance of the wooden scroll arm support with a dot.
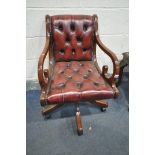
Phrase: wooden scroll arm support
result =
(116, 66)
(43, 74)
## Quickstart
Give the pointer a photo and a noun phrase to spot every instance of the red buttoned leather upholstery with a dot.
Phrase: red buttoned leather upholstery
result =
(72, 37)
(75, 77)
(77, 81)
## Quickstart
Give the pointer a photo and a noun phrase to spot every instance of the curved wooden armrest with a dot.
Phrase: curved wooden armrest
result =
(42, 74)
(116, 65)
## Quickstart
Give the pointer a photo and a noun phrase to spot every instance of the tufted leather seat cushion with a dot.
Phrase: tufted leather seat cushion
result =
(72, 37)
(77, 81)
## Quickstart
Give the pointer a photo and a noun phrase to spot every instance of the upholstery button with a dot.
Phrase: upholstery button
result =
(85, 76)
(96, 83)
(67, 40)
(89, 70)
(62, 51)
(60, 27)
(69, 77)
(79, 84)
(79, 39)
(72, 26)
(61, 85)
(85, 26)
(68, 65)
(75, 70)
(61, 72)
(73, 51)
(81, 64)
(85, 50)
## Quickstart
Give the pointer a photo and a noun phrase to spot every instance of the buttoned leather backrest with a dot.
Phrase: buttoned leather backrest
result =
(72, 37)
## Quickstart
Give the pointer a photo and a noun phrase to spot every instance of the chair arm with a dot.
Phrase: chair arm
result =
(43, 74)
(116, 65)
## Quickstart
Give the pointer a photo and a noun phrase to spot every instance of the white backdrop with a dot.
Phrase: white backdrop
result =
(113, 26)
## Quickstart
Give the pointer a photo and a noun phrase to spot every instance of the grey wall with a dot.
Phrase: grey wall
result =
(113, 26)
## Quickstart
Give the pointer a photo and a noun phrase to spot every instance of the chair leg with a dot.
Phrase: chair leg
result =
(50, 108)
(103, 104)
(79, 122)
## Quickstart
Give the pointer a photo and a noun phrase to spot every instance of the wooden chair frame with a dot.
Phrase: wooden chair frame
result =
(45, 74)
